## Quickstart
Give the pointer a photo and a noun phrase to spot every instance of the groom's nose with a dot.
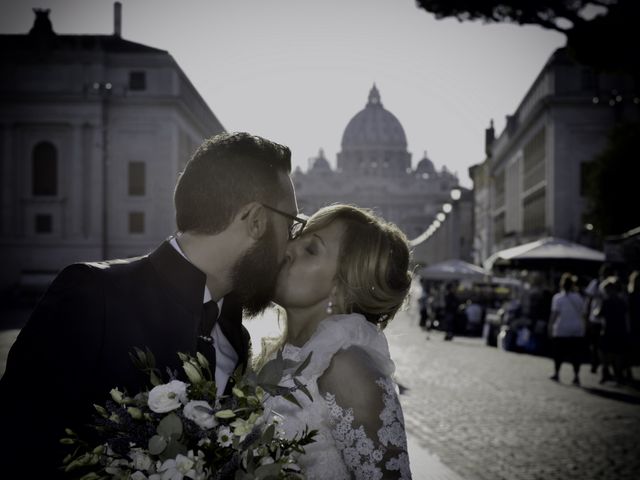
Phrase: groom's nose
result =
(289, 252)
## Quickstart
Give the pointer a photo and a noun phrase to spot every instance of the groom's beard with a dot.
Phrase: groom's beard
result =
(255, 275)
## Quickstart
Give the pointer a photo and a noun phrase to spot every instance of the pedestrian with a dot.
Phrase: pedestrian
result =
(613, 340)
(594, 296)
(567, 328)
(539, 310)
(474, 312)
(451, 304)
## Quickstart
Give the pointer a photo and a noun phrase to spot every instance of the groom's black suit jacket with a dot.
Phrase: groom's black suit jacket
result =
(75, 348)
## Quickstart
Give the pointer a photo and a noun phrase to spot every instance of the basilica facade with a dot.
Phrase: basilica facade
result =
(374, 170)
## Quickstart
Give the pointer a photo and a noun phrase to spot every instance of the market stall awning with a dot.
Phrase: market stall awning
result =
(550, 248)
(453, 270)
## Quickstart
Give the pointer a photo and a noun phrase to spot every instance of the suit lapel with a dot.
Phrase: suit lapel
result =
(230, 322)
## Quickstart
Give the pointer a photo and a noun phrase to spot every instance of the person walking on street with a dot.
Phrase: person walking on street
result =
(566, 327)
(451, 304)
(594, 296)
(614, 338)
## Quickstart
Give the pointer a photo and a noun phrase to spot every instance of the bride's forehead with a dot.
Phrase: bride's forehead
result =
(332, 231)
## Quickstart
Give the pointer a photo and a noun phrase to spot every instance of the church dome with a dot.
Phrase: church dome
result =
(374, 127)
(425, 166)
(320, 163)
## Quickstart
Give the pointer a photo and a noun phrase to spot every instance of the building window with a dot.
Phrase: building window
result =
(499, 189)
(534, 161)
(44, 173)
(534, 213)
(137, 178)
(136, 222)
(44, 223)
(499, 227)
(137, 81)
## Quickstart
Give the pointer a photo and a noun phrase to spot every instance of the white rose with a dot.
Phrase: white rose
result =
(201, 413)
(167, 397)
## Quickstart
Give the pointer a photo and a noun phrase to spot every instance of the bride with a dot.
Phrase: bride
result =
(343, 280)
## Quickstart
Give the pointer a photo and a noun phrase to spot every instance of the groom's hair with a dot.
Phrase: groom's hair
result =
(225, 173)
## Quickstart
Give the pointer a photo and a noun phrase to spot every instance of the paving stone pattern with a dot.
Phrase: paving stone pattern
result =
(490, 414)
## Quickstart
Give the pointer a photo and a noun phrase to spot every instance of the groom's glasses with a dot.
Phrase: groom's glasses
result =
(296, 228)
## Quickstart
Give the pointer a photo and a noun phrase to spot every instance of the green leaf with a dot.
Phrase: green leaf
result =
(268, 434)
(151, 359)
(101, 410)
(303, 365)
(303, 388)
(157, 444)
(272, 371)
(154, 378)
(292, 399)
(173, 449)
(169, 426)
(266, 471)
(238, 392)
(225, 414)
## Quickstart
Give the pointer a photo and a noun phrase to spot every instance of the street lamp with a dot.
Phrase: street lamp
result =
(441, 216)
(436, 223)
(447, 207)
(456, 193)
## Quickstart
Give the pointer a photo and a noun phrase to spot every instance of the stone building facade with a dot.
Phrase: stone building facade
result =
(93, 132)
(532, 182)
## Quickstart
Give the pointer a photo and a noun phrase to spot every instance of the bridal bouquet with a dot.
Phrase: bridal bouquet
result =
(184, 430)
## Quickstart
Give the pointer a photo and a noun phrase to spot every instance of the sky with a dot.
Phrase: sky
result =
(296, 71)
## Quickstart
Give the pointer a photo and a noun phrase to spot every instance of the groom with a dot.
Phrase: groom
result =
(235, 211)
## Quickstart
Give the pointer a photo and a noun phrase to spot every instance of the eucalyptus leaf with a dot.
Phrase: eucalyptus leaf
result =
(292, 399)
(250, 466)
(272, 371)
(173, 449)
(304, 364)
(268, 434)
(289, 364)
(169, 426)
(306, 391)
(157, 444)
(303, 388)
(265, 471)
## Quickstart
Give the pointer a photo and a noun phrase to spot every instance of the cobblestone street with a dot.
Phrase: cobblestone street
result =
(490, 414)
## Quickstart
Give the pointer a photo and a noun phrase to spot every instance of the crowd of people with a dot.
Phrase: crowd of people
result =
(593, 321)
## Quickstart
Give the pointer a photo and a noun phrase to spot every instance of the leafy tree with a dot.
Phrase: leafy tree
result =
(600, 33)
(612, 186)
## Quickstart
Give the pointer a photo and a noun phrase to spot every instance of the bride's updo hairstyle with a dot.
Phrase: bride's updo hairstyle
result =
(373, 262)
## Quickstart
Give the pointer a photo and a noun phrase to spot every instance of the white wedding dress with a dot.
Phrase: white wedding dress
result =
(355, 407)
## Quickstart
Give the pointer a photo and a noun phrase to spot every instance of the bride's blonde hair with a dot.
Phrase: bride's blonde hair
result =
(373, 277)
(373, 262)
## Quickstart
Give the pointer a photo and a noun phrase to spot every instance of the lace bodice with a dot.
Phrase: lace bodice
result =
(355, 407)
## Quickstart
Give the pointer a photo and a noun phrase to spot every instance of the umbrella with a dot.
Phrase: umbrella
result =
(549, 249)
(453, 270)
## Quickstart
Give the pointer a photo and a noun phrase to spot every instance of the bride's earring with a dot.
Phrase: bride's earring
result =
(329, 308)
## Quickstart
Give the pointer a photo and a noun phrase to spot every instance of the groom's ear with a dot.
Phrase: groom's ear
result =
(253, 218)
